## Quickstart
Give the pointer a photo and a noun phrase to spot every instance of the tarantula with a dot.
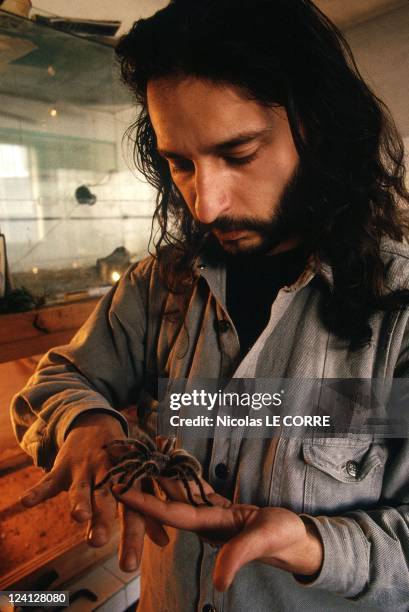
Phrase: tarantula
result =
(140, 458)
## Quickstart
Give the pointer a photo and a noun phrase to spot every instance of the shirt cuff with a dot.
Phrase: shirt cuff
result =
(44, 448)
(345, 567)
(67, 421)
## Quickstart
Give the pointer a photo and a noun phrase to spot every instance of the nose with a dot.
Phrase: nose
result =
(211, 194)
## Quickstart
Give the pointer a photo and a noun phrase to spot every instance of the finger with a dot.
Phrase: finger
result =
(103, 517)
(132, 528)
(174, 513)
(80, 499)
(170, 489)
(156, 532)
(243, 548)
(51, 485)
(154, 529)
(173, 489)
(176, 490)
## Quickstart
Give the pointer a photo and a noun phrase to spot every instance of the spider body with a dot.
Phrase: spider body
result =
(136, 458)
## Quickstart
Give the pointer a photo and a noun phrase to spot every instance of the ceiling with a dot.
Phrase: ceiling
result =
(345, 13)
(349, 13)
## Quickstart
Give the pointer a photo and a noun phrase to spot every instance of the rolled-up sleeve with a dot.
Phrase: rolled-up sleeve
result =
(366, 556)
(100, 370)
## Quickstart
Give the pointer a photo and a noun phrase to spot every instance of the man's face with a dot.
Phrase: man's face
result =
(233, 160)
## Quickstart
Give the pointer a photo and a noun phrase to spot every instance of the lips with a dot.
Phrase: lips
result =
(230, 236)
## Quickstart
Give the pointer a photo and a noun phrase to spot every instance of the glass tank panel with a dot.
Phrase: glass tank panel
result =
(68, 198)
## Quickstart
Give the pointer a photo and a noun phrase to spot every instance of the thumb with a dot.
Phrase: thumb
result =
(237, 552)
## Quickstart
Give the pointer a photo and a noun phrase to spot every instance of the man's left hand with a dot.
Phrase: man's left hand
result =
(246, 533)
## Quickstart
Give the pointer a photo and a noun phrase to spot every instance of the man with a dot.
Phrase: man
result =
(281, 206)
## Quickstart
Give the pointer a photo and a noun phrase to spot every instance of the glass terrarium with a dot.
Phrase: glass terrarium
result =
(73, 216)
(73, 212)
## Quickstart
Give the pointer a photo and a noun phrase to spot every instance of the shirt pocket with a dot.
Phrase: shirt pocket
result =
(342, 474)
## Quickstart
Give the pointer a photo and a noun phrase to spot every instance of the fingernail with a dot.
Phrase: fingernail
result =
(131, 563)
(81, 512)
(98, 536)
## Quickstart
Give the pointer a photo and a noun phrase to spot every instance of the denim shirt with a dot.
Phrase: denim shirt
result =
(140, 332)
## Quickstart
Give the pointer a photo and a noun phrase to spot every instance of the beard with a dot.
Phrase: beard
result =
(280, 226)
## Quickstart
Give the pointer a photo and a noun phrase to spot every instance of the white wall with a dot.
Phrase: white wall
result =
(381, 48)
(126, 11)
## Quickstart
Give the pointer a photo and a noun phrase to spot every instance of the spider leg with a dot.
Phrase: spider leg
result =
(169, 445)
(143, 437)
(186, 473)
(123, 467)
(182, 462)
(148, 469)
(109, 474)
(197, 480)
(182, 458)
(186, 485)
(135, 476)
(122, 478)
(145, 448)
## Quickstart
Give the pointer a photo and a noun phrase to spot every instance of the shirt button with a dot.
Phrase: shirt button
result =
(208, 608)
(222, 471)
(352, 468)
(224, 326)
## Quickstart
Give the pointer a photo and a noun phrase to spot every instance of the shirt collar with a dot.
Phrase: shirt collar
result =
(213, 269)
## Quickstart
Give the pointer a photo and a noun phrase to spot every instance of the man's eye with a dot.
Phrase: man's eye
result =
(180, 166)
(241, 161)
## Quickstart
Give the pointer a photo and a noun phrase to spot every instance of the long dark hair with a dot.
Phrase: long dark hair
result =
(287, 53)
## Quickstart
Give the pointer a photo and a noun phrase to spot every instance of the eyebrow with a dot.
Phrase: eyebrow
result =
(220, 147)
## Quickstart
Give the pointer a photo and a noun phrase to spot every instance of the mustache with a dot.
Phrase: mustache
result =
(231, 224)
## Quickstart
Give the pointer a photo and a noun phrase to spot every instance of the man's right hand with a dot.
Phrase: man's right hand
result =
(80, 463)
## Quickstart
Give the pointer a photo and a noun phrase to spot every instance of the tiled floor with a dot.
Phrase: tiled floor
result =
(116, 591)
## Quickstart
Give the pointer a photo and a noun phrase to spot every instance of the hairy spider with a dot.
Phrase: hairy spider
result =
(136, 458)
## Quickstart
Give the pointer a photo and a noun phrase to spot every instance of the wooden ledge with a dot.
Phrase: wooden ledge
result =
(29, 333)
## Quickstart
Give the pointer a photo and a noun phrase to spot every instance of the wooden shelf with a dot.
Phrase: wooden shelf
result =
(30, 333)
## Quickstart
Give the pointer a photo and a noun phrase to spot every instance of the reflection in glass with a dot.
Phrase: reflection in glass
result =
(63, 113)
